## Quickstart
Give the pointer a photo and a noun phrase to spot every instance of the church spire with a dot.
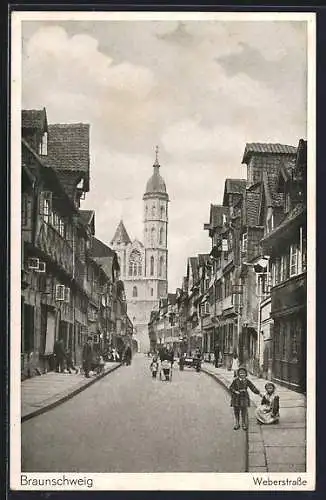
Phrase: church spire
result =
(156, 164)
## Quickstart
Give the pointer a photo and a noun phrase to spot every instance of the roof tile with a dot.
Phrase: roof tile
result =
(68, 147)
(267, 148)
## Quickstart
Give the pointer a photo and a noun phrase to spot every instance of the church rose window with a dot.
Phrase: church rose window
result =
(135, 264)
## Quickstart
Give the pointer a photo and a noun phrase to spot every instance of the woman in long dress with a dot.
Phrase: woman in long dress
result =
(268, 411)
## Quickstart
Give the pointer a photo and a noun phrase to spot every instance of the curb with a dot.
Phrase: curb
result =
(65, 398)
(225, 387)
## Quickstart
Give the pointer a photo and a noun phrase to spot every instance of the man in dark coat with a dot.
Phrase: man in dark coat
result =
(60, 355)
(128, 355)
(87, 356)
(216, 354)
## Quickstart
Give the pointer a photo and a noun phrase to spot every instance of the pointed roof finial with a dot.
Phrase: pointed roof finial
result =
(156, 156)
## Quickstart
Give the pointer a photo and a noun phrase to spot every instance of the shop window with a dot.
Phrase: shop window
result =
(295, 328)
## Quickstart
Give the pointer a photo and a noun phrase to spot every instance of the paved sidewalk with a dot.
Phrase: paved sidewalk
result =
(41, 393)
(277, 447)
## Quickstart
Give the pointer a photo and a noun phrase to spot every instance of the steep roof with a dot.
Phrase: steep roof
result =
(294, 215)
(86, 216)
(100, 249)
(34, 119)
(68, 147)
(251, 206)
(216, 216)
(266, 148)
(234, 186)
(121, 235)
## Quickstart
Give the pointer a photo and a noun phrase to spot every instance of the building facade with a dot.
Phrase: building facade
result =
(144, 265)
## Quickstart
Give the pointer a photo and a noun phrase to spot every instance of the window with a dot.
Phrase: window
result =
(43, 147)
(270, 223)
(284, 268)
(162, 212)
(277, 341)
(294, 253)
(244, 243)
(151, 266)
(152, 236)
(135, 263)
(287, 202)
(161, 236)
(153, 210)
(152, 292)
(134, 292)
(161, 266)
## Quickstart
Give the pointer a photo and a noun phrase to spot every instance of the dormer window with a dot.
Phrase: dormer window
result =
(43, 147)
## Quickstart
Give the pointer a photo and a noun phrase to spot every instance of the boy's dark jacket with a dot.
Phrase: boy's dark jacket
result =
(242, 386)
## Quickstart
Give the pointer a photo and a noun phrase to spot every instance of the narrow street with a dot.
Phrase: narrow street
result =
(127, 422)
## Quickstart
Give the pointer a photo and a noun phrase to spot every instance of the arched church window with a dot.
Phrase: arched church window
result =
(151, 266)
(162, 212)
(146, 210)
(153, 236)
(161, 266)
(161, 236)
(153, 210)
(134, 292)
(135, 263)
(152, 292)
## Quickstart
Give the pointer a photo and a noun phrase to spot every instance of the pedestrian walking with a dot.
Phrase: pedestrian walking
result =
(128, 355)
(269, 410)
(154, 366)
(240, 400)
(235, 364)
(87, 356)
(216, 355)
(60, 356)
(69, 362)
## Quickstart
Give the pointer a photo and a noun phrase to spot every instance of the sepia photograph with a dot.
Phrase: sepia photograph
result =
(162, 248)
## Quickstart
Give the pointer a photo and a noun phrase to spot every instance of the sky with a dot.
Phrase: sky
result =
(200, 90)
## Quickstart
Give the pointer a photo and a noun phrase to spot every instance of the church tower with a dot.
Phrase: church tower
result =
(144, 265)
(155, 237)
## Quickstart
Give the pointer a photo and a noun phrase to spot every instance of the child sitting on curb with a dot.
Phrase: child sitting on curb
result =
(240, 398)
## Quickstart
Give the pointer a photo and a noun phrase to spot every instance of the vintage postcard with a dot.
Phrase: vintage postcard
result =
(162, 251)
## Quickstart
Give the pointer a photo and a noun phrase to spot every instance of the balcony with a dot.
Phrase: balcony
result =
(227, 303)
(56, 247)
(218, 308)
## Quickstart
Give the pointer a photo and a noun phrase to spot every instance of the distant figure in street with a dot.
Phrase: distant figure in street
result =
(69, 362)
(60, 356)
(268, 411)
(154, 366)
(87, 356)
(240, 398)
(235, 364)
(128, 355)
(217, 354)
